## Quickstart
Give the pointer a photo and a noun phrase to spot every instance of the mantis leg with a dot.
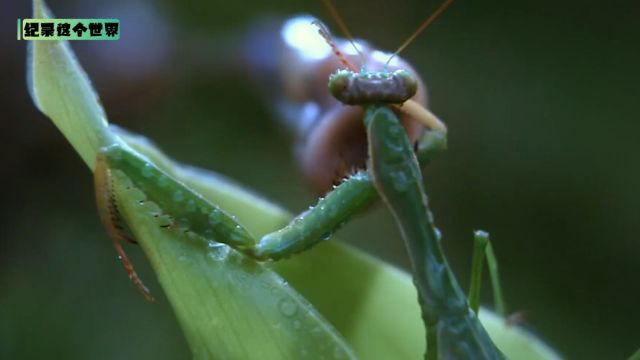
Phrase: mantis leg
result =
(200, 216)
(110, 218)
(480, 242)
(352, 196)
(498, 297)
(423, 115)
(192, 211)
(453, 330)
(319, 223)
(196, 213)
(482, 250)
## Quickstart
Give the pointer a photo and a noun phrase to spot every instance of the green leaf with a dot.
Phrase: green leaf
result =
(232, 307)
(61, 90)
(229, 306)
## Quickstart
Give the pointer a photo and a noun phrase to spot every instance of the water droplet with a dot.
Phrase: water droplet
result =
(214, 217)
(208, 233)
(326, 236)
(217, 251)
(163, 181)
(297, 324)
(316, 331)
(399, 179)
(287, 307)
(237, 234)
(178, 196)
(147, 170)
(191, 205)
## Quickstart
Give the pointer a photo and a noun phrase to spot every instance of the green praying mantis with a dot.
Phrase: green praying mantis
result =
(171, 209)
(393, 174)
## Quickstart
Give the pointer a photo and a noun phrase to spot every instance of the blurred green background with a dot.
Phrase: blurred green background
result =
(541, 99)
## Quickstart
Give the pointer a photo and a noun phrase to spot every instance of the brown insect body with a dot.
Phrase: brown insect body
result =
(330, 136)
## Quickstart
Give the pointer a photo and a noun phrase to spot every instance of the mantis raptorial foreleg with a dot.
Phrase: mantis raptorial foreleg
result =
(350, 197)
(453, 330)
(423, 115)
(204, 218)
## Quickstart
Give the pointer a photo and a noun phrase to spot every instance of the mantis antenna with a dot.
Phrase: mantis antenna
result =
(342, 25)
(421, 28)
(409, 107)
(324, 32)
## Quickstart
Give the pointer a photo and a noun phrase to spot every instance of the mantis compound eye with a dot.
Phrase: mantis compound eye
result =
(373, 88)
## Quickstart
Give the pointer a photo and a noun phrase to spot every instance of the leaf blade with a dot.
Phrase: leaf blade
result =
(62, 90)
(229, 306)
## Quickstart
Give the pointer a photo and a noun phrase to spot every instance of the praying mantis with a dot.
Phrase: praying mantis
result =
(393, 173)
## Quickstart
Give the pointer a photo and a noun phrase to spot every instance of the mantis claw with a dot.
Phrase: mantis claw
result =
(111, 220)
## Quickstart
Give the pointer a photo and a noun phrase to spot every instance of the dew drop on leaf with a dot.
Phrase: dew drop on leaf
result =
(287, 307)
